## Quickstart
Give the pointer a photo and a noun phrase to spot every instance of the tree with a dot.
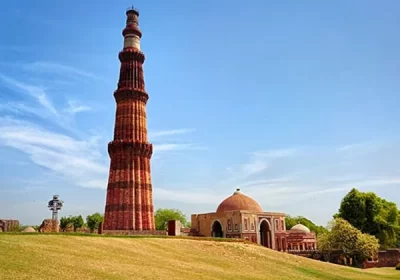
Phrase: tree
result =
(353, 210)
(65, 222)
(351, 241)
(93, 221)
(325, 244)
(367, 246)
(162, 216)
(77, 222)
(372, 215)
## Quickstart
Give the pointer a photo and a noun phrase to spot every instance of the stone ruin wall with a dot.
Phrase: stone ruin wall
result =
(49, 225)
(8, 225)
(388, 258)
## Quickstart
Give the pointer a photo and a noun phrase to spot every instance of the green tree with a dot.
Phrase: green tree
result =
(372, 215)
(367, 246)
(162, 216)
(325, 243)
(77, 222)
(65, 222)
(351, 241)
(352, 209)
(93, 221)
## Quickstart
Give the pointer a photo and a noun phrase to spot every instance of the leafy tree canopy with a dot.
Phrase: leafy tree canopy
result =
(351, 241)
(77, 222)
(65, 222)
(162, 216)
(372, 215)
(93, 221)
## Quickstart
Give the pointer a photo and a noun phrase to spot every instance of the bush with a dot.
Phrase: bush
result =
(398, 266)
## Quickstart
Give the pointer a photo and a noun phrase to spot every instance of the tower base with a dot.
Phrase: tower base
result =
(135, 232)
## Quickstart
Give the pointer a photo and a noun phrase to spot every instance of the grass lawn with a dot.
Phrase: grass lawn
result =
(62, 256)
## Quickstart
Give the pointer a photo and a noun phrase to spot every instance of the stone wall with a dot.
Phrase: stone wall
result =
(388, 258)
(8, 225)
(49, 225)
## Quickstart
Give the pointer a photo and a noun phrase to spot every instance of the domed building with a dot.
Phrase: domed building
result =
(300, 238)
(240, 216)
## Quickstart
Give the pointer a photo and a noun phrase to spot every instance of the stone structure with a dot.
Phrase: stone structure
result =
(8, 225)
(49, 225)
(174, 228)
(240, 216)
(129, 201)
(300, 238)
(388, 258)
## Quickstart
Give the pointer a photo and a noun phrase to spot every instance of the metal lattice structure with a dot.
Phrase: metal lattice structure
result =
(55, 205)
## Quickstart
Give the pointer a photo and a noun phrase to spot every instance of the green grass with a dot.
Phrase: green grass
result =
(82, 256)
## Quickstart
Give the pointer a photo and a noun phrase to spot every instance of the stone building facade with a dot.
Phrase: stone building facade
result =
(300, 238)
(240, 216)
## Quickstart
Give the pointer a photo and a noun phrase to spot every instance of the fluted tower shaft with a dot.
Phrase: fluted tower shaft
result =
(129, 201)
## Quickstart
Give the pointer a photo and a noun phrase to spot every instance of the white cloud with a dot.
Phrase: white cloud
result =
(254, 167)
(164, 133)
(277, 153)
(78, 160)
(20, 109)
(75, 107)
(36, 92)
(161, 145)
(52, 67)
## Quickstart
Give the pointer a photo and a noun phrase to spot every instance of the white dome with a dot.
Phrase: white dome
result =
(302, 228)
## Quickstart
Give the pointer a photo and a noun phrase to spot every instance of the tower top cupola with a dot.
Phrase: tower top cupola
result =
(131, 32)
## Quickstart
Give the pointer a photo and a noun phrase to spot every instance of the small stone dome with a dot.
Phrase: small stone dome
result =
(300, 227)
(239, 201)
(29, 229)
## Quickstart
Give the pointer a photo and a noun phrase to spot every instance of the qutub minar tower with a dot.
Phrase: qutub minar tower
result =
(129, 202)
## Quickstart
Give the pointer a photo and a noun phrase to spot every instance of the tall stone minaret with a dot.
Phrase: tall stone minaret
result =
(129, 202)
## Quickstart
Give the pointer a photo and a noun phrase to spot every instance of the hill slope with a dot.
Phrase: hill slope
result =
(41, 256)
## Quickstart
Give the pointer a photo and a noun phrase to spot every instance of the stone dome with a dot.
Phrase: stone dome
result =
(239, 201)
(29, 229)
(300, 227)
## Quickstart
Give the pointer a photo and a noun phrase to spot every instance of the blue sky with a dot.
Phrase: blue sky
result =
(293, 102)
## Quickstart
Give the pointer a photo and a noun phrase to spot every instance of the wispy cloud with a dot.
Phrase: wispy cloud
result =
(36, 92)
(163, 133)
(277, 153)
(75, 107)
(20, 109)
(163, 143)
(52, 67)
(78, 160)
(254, 167)
(363, 147)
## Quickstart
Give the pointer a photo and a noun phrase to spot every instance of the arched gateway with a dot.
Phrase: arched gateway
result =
(217, 229)
(265, 234)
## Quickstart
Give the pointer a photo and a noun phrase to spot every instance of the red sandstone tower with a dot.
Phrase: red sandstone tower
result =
(129, 202)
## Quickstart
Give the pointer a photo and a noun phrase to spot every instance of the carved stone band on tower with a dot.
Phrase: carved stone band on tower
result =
(129, 202)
